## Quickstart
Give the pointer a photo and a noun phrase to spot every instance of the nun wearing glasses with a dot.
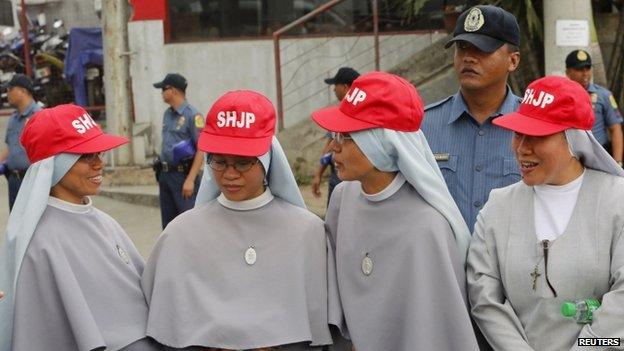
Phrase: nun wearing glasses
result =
(246, 268)
(70, 273)
(399, 242)
(556, 236)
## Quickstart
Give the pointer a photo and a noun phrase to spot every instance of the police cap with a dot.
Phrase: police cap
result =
(174, 80)
(487, 27)
(578, 59)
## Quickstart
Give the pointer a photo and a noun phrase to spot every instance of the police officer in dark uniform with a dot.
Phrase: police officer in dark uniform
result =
(607, 125)
(473, 154)
(20, 96)
(178, 176)
(342, 82)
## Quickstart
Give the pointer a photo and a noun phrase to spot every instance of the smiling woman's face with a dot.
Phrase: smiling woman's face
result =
(83, 179)
(546, 159)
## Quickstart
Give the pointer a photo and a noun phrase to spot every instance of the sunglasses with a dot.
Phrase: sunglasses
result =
(241, 166)
(341, 138)
(92, 157)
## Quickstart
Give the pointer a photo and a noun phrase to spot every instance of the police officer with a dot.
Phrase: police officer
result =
(177, 179)
(20, 96)
(607, 125)
(473, 154)
(342, 82)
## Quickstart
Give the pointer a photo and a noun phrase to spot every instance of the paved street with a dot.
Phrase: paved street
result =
(142, 223)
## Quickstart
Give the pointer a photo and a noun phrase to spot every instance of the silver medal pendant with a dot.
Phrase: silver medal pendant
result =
(122, 253)
(367, 265)
(251, 256)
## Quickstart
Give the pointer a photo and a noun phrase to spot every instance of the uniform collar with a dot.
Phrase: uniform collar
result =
(86, 207)
(181, 108)
(29, 110)
(459, 107)
(592, 88)
(247, 205)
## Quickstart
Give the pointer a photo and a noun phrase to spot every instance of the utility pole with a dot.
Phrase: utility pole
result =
(25, 32)
(117, 75)
(569, 25)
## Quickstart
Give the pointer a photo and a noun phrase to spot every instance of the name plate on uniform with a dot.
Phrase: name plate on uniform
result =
(442, 157)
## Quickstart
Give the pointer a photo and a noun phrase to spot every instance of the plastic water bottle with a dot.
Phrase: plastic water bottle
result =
(582, 311)
(326, 159)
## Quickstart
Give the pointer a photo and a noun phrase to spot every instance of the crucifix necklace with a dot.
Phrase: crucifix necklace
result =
(535, 274)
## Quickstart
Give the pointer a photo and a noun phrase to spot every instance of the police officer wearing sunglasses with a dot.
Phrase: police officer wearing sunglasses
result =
(177, 175)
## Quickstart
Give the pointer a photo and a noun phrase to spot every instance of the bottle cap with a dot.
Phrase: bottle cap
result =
(568, 309)
(592, 304)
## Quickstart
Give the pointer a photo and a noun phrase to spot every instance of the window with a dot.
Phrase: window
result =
(192, 20)
(6, 13)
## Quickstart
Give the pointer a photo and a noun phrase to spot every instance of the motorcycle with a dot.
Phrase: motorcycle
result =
(49, 83)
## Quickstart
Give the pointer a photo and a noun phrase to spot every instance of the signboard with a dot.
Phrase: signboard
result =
(572, 33)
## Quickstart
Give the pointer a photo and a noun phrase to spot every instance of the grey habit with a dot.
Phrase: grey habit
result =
(79, 286)
(585, 261)
(202, 292)
(414, 296)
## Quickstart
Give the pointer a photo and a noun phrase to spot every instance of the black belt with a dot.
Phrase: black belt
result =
(182, 168)
(19, 174)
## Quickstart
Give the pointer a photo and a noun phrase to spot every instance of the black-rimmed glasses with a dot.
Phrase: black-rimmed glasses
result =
(241, 166)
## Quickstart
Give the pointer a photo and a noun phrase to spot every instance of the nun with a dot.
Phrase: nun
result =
(70, 274)
(554, 237)
(246, 268)
(398, 241)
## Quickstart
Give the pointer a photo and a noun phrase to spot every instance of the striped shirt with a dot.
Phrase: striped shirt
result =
(474, 158)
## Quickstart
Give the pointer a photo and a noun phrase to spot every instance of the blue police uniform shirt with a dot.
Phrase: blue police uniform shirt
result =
(473, 158)
(605, 110)
(179, 124)
(18, 160)
(333, 175)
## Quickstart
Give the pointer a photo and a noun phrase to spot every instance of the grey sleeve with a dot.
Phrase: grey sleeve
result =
(609, 318)
(490, 308)
(335, 315)
(147, 278)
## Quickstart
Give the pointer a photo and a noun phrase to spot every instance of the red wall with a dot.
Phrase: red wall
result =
(149, 10)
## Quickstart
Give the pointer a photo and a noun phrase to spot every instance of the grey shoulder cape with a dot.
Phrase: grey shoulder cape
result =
(79, 286)
(398, 279)
(202, 291)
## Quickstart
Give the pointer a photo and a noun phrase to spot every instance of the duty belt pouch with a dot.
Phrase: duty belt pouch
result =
(186, 165)
(157, 167)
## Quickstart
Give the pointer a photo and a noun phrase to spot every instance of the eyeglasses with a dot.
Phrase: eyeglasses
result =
(340, 138)
(166, 88)
(92, 157)
(241, 166)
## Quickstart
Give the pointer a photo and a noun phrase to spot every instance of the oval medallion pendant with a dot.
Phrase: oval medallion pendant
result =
(250, 256)
(367, 265)
(122, 253)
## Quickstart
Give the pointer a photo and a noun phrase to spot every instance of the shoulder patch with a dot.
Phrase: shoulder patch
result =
(438, 103)
(613, 102)
(199, 121)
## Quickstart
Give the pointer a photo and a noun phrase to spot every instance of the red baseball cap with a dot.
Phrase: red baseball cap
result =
(550, 105)
(240, 122)
(375, 100)
(65, 129)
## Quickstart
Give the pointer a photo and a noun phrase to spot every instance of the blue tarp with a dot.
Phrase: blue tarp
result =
(85, 47)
